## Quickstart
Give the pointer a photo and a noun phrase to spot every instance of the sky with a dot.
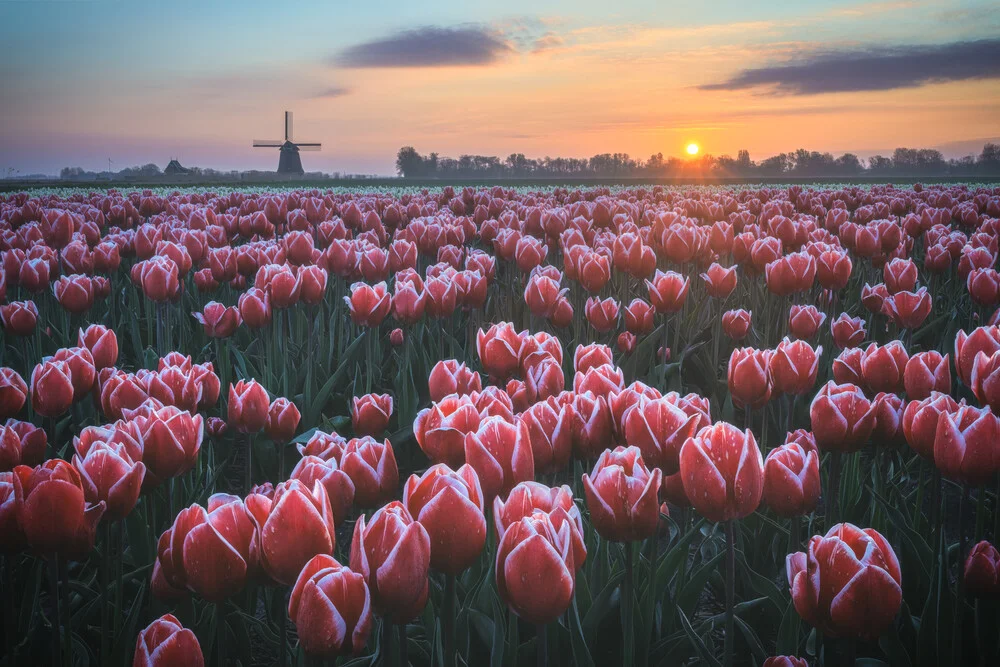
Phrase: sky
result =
(142, 81)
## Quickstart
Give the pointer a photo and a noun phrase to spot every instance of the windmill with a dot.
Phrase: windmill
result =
(288, 159)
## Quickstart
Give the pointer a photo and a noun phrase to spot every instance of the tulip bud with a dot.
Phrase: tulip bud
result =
(748, 377)
(927, 372)
(451, 377)
(846, 584)
(736, 323)
(13, 392)
(68, 532)
(965, 445)
(723, 472)
(102, 344)
(248, 406)
(392, 552)
(842, 417)
(282, 420)
(330, 607)
(982, 571)
(370, 413)
(622, 496)
(165, 642)
(535, 570)
(793, 366)
(791, 480)
(449, 504)
(847, 331)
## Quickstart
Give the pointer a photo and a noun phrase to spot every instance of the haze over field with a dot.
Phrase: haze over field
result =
(142, 82)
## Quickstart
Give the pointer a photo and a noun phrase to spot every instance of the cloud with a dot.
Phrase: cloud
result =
(874, 68)
(335, 91)
(429, 46)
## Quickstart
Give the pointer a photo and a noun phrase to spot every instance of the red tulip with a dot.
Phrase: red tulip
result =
(736, 323)
(158, 277)
(13, 392)
(908, 309)
(926, 372)
(873, 298)
(541, 294)
(968, 346)
(847, 331)
(639, 317)
(920, 420)
(601, 381)
(102, 344)
(883, 367)
(785, 661)
(965, 445)
(590, 356)
(833, 269)
(217, 320)
(75, 293)
(985, 379)
(719, 281)
(535, 570)
(396, 337)
(110, 475)
(451, 377)
(626, 342)
(659, 429)
(982, 571)
(529, 253)
(847, 367)
(370, 413)
(528, 498)
(339, 486)
(440, 429)
(393, 553)
(723, 472)
(900, 275)
(748, 377)
(171, 439)
(323, 445)
(371, 465)
(984, 286)
(562, 314)
(791, 480)
(19, 317)
(442, 296)
(500, 453)
(668, 291)
(842, 417)
(622, 496)
(55, 518)
(51, 388)
(499, 349)
(23, 443)
(255, 308)
(602, 315)
(11, 503)
(331, 608)
(888, 429)
(282, 420)
(805, 321)
(34, 274)
(292, 527)
(248, 406)
(594, 271)
(846, 584)
(165, 643)
(368, 304)
(449, 504)
(409, 301)
(792, 273)
(793, 366)
(590, 424)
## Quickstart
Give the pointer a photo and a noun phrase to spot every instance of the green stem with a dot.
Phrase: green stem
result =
(956, 637)
(385, 644)
(220, 633)
(57, 659)
(105, 579)
(542, 651)
(404, 646)
(628, 595)
(730, 592)
(448, 620)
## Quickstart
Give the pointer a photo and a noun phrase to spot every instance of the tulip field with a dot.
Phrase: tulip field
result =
(655, 425)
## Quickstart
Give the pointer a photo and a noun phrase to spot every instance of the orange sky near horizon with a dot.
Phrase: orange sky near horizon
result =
(574, 87)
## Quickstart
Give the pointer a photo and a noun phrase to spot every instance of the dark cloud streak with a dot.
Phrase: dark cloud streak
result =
(874, 68)
(429, 46)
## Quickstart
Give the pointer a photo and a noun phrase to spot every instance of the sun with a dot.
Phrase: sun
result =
(692, 149)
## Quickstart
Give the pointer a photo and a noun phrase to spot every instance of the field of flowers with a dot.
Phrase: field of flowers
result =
(646, 426)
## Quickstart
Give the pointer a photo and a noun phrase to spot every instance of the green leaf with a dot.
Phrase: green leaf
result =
(704, 653)
(687, 598)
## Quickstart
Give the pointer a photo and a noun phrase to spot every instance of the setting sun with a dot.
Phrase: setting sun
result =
(692, 149)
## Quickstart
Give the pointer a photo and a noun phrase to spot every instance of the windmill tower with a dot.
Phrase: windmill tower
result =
(288, 150)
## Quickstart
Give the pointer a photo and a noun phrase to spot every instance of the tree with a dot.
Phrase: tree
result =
(409, 163)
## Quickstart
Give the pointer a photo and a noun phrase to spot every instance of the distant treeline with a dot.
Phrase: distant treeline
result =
(908, 162)
(152, 173)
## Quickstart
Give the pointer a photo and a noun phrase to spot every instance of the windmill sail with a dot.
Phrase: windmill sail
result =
(288, 150)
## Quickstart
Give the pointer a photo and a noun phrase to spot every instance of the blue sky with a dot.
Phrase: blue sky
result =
(143, 81)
